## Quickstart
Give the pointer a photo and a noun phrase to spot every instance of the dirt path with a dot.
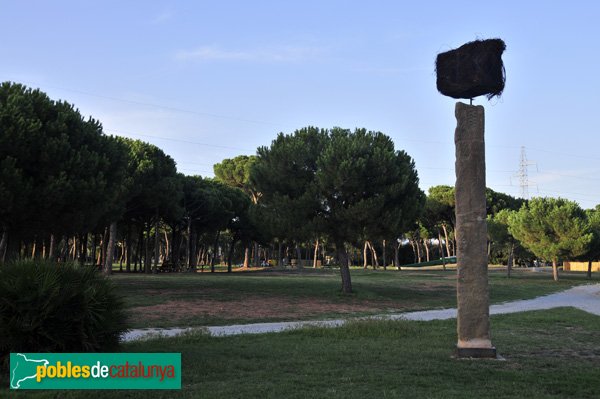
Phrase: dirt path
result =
(584, 297)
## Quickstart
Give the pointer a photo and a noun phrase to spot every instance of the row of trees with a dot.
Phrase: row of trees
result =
(67, 191)
(548, 229)
(70, 192)
(433, 235)
(519, 231)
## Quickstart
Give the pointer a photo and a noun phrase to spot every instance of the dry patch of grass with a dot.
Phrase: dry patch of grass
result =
(257, 307)
(196, 299)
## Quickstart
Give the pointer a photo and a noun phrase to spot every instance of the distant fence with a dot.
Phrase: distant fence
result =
(580, 266)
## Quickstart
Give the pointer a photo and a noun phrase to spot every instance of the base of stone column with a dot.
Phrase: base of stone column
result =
(478, 353)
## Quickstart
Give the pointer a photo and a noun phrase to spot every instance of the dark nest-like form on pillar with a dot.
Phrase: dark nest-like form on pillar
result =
(474, 69)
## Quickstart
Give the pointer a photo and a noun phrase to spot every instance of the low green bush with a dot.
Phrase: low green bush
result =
(48, 307)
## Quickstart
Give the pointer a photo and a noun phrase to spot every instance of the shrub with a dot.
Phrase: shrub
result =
(47, 307)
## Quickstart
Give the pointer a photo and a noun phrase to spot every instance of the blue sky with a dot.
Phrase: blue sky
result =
(211, 80)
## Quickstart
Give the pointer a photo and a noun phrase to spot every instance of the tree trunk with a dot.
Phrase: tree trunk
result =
(446, 238)
(299, 258)
(180, 241)
(230, 255)
(192, 247)
(316, 254)
(94, 248)
(188, 247)
(441, 249)
(74, 250)
(384, 258)
(156, 243)
(412, 245)
(342, 256)
(365, 252)
(256, 255)
(147, 268)
(84, 249)
(589, 270)
(555, 269)
(509, 262)
(215, 248)
(68, 248)
(419, 256)
(279, 255)
(103, 246)
(173, 254)
(76, 247)
(3, 244)
(110, 249)
(65, 249)
(11, 252)
(374, 259)
(202, 256)
(307, 254)
(246, 256)
(52, 248)
(426, 249)
(206, 255)
(98, 258)
(121, 255)
(176, 248)
(396, 255)
(167, 249)
(140, 250)
(128, 249)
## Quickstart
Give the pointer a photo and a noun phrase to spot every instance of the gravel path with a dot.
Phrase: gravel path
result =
(584, 297)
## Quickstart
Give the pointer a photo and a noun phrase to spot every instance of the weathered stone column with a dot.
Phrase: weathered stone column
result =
(471, 232)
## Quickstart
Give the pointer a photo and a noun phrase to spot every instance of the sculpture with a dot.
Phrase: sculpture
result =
(472, 70)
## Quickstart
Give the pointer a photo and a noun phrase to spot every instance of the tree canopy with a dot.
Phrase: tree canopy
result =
(67, 190)
(339, 183)
(235, 172)
(551, 228)
(60, 173)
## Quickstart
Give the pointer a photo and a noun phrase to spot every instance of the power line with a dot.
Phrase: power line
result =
(204, 172)
(166, 107)
(564, 192)
(570, 176)
(195, 163)
(173, 139)
(524, 181)
(561, 153)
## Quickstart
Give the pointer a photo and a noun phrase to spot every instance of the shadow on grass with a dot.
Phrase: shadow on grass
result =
(549, 354)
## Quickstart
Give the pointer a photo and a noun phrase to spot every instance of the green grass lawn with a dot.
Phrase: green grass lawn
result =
(183, 299)
(548, 354)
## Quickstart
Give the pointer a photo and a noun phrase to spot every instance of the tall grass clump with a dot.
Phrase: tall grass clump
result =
(47, 307)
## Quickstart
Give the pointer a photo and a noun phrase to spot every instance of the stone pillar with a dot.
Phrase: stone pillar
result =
(471, 232)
